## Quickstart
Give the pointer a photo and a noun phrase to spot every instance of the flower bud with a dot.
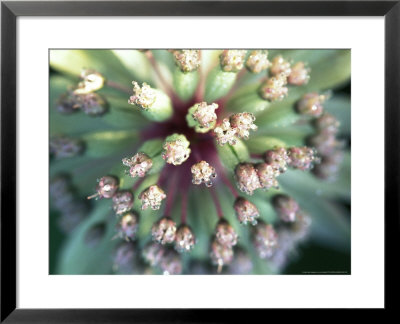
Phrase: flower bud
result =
(91, 81)
(225, 234)
(93, 104)
(154, 104)
(327, 123)
(246, 211)
(325, 143)
(106, 187)
(171, 263)
(202, 116)
(68, 103)
(128, 226)
(311, 104)
(286, 207)
(202, 172)
(265, 240)
(224, 133)
(232, 60)
(187, 60)
(152, 197)
(266, 174)
(258, 61)
(220, 254)
(138, 165)
(247, 178)
(280, 66)
(278, 158)
(185, 239)
(62, 147)
(274, 88)
(164, 231)
(299, 75)
(302, 158)
(122, 201)
(176, 149)
(329, 167)
(243, 122)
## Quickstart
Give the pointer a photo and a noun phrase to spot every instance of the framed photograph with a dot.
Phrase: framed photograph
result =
(177, 155)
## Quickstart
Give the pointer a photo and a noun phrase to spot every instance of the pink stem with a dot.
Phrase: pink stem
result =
(138, 183)
(184, 206)
(119, 87)
(171, 194)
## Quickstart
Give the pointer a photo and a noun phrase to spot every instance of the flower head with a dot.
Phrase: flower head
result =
(286, 207)
(274, 88)
(225, 234)
(164, 231)
(280, 66)
(302, 158)
(267, 176)
(184, 239)
(265, 240)
(232, 60)
(278, 158)
(247, 178)
(258, 61)
(243, 122)
(107, 187)
(128, 226)
(225, 133)
(202, 172)
(176, 149)
(327, 123)
(187, 60)
(139, 164)
(204, 116)
(62, 147)
(246, 211)
(299, 74)
(152, 197)
(311, 104)
(220, 254)
(122, 201)
(143, 96)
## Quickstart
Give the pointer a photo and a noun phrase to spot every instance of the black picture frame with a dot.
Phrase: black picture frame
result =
(11, 10)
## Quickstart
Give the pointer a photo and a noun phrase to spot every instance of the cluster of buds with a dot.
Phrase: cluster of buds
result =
(232, 60)
(246, 211)
(106, 187)
(62, 147)
(280, 66)
(202, 172)
(286, 207)
(122, 201)
(127, 226)
(164, 258)
(164, 230)
(274, 88)
(302, 158)
(143, 96)
(187, 60)
(278, 158)
(258, 61)
(327, 145)
(63, 198)
(222, 245)
(311, 104)
(176, 149)
(265, 240)
(237, 126)
(185, 239)
(139, 164)
(125, 258)
(152, 197)
(203, 116)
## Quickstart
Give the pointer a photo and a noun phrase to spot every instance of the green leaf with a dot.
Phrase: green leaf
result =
(247, 99)
(185, 84)
(137, 63)
(218, 84)
(261, 144)
(106, 143)
(103, 61)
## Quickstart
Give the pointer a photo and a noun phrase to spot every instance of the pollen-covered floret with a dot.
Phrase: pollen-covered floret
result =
(176, 149)
(278, 158)
(280, 66)
(164, 231)
(327, 123)
(220, 254)
(302, 158)
(265, 240)
(152, 197)
(143, 96)
(267, 176)
(258, 61)
(286, 207)
(243, 123)
(122, 201)
(246, 211)
(247, 178)
(184, 239)
(311, 104)
(205, 114)
(300, 74)
(138, 165)
(187, 60)
(128, 226)
(106, 187)
(202, 172)
(225, 234)
(274, 88)
(232, 60)
(224, 133)
(90, 81)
